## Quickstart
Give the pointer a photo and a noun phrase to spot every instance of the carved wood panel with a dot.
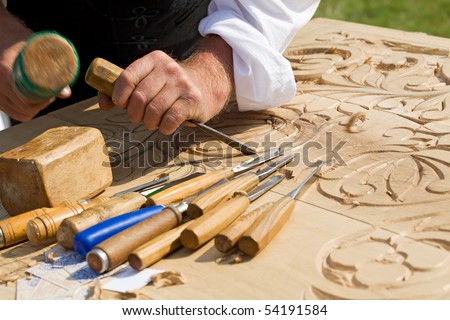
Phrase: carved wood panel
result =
(374, 105)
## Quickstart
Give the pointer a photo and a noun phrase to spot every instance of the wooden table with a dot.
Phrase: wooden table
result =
(372, 102)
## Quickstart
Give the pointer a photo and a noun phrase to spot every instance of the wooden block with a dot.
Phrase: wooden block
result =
(63, 163)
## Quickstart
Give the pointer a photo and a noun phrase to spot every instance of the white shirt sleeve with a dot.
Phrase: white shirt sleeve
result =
(259, 31)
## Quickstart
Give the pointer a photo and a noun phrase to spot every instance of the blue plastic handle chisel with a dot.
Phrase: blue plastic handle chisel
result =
(85, 240)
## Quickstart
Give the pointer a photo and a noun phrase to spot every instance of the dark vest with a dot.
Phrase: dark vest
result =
(119, 31)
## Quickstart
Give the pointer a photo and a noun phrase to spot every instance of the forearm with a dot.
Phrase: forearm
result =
(13, 34)
(259, 32)
(213, 65)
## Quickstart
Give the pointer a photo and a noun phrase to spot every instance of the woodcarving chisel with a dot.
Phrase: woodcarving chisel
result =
(269, 223)
(244, 182)
(87, 239)
(113, 251)
(157, 248)
(102, 75)
(13, 229)
(194, 186)
(121, 202)
(207, 226)
(44, 228)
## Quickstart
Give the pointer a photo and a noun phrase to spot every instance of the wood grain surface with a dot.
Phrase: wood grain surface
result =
(374, 105)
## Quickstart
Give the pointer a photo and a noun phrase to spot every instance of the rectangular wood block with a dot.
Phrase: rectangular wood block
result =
(63, 163)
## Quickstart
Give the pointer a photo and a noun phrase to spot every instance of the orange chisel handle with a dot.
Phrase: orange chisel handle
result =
(157, 248)
(71, 226)
(42, 229)
(207, 226)
(266, 227)
(209, 200)
(228, 238)
(13, 229)
(188, 188)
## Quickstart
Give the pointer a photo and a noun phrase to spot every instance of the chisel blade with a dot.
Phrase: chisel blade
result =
(232, 142)
(246, 165)
(264, 187)
(145, 186)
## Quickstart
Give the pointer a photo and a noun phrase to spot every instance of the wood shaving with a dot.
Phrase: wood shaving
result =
(8, 278)
(288, 173)
(32, 263)
(130, 295)
(95, 292)
(355, 122)
(231, 258)
(50, 257)
(239, 193)
(168, 278)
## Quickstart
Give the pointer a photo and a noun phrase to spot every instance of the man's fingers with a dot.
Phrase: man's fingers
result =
(105, 102)
(175, 116)
(144, 95)
(157, 108)
(130, 78)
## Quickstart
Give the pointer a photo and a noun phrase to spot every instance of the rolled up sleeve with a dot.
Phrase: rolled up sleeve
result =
(259, 31)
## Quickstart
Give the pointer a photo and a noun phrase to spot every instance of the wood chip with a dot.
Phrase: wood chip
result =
(130, 295)
(168, 278)
(8, 278)
(95, 292)
(232, 258)
(355, 122)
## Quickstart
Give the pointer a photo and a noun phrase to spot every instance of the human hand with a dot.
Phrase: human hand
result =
(12, 39)
(12, 102)
(163, 93)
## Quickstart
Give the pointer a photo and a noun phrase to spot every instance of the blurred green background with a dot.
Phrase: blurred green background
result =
(428, 16)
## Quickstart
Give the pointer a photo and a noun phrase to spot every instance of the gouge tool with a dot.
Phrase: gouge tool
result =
(158, 247)
(154, 184)
(209, 225)
(114, 250)
(87, 239)
(44, 229)
(244, 182)
(270, 222)
(194, 186)
(13, 229)
(120, 203)
(102, 75)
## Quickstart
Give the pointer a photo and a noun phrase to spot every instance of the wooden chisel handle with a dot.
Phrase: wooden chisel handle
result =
(115, 250)
(102, 75)
(116, 206)
(188, 188)
(87, 239)
(42, 229)
(209, 200)
(13, 229)
(157, 248)
(228, 238)
(207, 226)
(266, 227)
